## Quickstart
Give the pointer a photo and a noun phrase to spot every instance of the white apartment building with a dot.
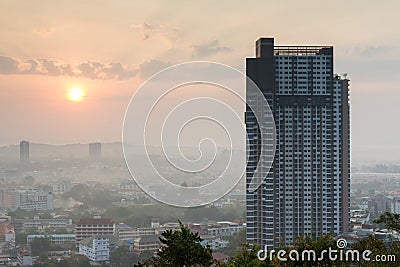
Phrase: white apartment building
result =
(99, 248)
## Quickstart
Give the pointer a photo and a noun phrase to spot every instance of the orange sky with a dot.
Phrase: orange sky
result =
(109, 47)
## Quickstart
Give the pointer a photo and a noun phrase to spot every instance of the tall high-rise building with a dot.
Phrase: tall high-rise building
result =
(95, 151)
(306, 190)
(24, 151)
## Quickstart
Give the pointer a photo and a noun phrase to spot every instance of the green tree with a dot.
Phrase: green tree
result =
(122, 257)
(390, 220)
(247, 257)
(145, 255)
(235, 243)
(20, 238)
(373, 244)
(40, 246)
(77, 260)
(180, 248)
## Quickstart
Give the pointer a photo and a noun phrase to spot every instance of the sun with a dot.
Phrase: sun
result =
(75, 94)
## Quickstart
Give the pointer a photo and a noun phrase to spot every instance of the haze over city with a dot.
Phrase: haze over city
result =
(107, 50)
(199, 133)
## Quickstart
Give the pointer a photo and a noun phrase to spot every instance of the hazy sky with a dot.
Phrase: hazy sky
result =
(108, 47)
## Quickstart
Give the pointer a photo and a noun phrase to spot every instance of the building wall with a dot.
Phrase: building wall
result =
(306, 192)
(96, 251)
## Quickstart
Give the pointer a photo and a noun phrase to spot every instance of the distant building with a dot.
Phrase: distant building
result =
(395, 205)
(61, 187)
(125, 232)
(31, 200)
(99, 248)
(8, 199)
(221, 257)
(88, 227)
(224, 228)
(42, 224)
(146, 243)
(24, 151)
(25, 258)
(57, 239)
(7, 233)
(28, 200)
(215, 243)
(95, 151)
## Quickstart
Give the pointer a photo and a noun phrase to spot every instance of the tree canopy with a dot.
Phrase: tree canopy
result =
(180, 248)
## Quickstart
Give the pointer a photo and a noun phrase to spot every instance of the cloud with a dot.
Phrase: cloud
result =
(145, 29)
(89, 69)
(160, 31)
(42, 31)
(151, 67)
(8, 65)
(209, 48)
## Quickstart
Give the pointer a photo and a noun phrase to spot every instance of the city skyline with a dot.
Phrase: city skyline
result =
(54, 49)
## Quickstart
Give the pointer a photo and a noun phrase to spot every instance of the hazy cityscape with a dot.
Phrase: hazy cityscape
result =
(121, 120)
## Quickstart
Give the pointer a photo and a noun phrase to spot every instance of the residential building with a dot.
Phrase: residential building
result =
(218, 256)
(215, 243)
(99, 248)
(34, 199)
(8, 199)
(61, 187)
(224, 228)
(42, 224)
(25, 258)
(24, 151)
(306, 190)
(146, 243)
(395, 205)
(95, 151)
(88, 227)
(57, 239)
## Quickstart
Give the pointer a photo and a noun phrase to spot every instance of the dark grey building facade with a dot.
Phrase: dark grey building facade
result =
(307, 189)
(24, 151)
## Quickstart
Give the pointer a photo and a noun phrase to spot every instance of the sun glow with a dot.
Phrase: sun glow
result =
(75, 94)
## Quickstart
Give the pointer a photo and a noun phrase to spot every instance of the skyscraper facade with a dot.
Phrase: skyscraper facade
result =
(24, 151)
(95, 151)
(306, 191)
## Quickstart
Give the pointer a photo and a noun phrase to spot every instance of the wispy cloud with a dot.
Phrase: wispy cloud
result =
(148, 31)
(89, 69)
(209, 48)
(8, 65)
(151, 67)
(145, 29)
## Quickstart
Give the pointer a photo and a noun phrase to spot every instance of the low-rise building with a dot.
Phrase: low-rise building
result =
(47, 223)
(24, 258)
(99, 248)
(57, 239)
(61, 187)
(146, 243)
(224, 228)
(89, 227)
